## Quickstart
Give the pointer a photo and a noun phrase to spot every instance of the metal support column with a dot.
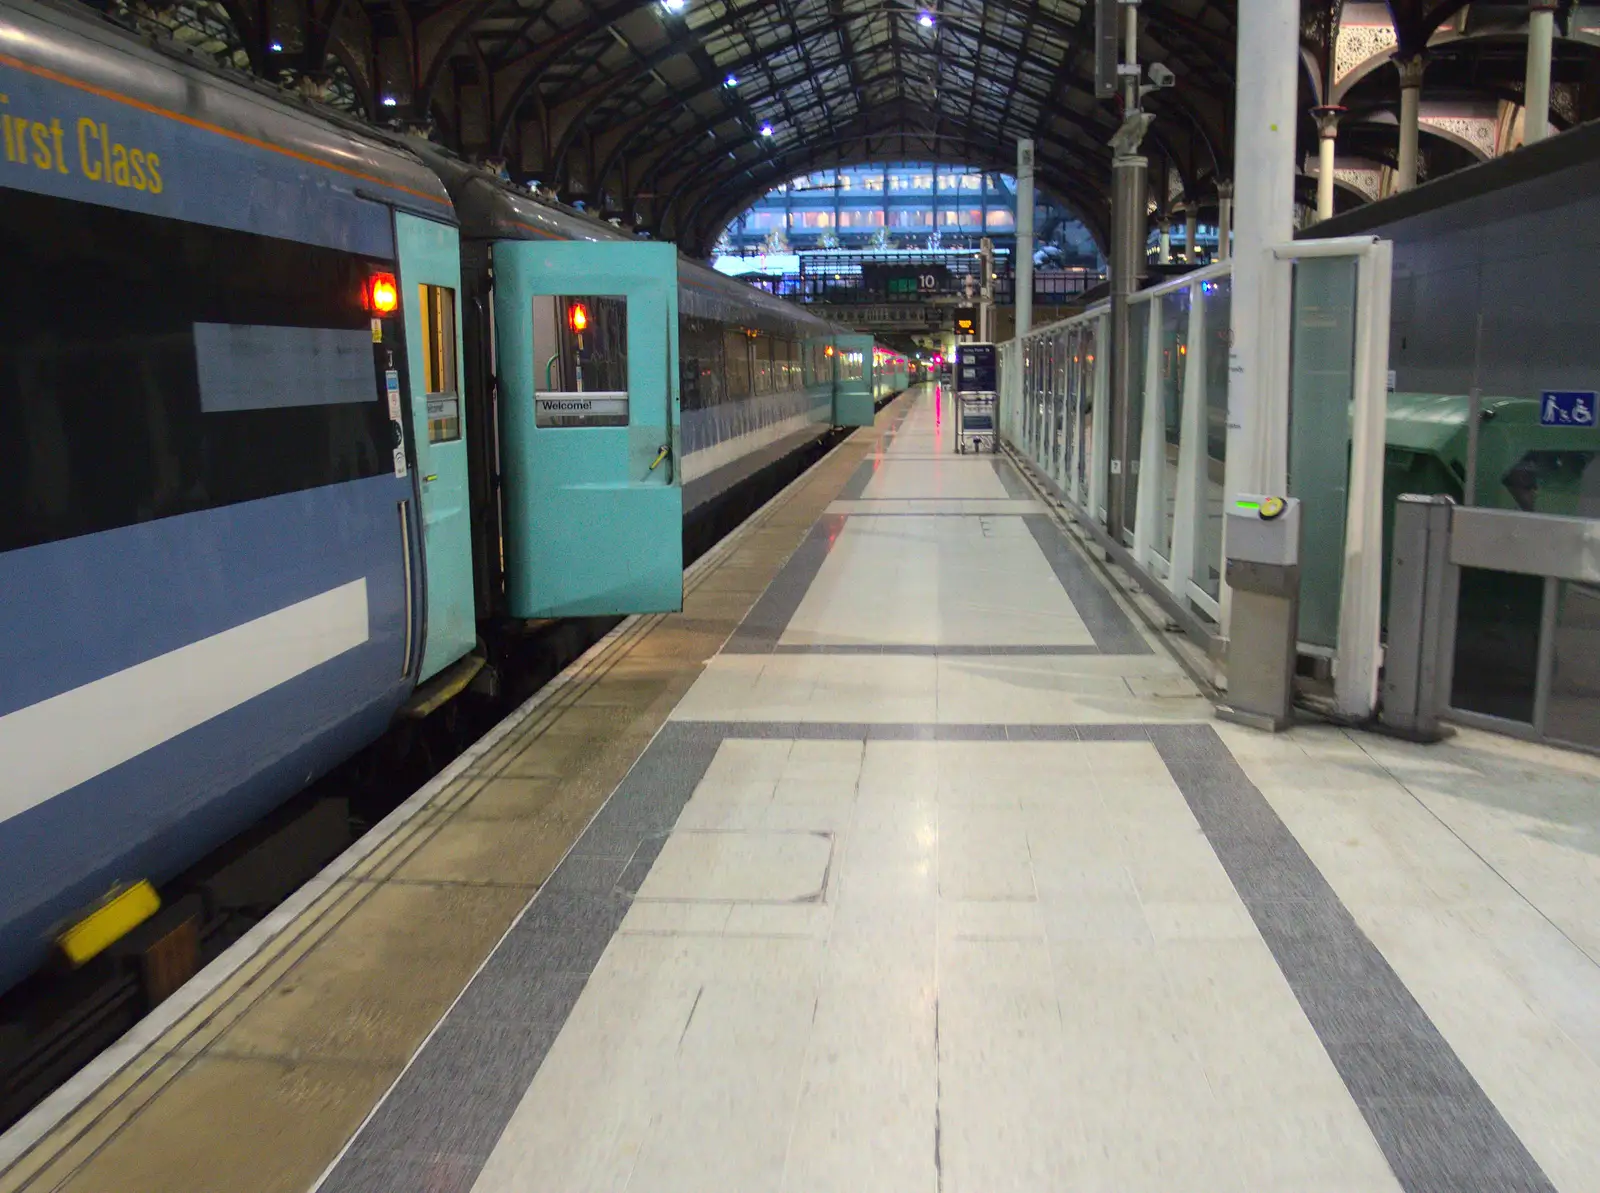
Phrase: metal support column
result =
(1264, 174)
(1328, 139)
(1024, 262)
(986, 291)
(1191, 234)
(1541, 41)
(1410, 108)
(1224, 220)
(1129, 200)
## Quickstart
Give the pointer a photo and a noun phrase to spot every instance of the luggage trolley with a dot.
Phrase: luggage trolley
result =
(977, 387)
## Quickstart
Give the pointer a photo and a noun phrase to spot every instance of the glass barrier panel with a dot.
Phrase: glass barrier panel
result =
(1216, 309)
(1321, 389)
(1138, 336)
(1572, 713)
(1087, 429)
(1071, 368)
(1497, 644)
(1174, 358)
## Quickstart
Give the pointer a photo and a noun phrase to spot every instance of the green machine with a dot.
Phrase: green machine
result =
(1522, 465)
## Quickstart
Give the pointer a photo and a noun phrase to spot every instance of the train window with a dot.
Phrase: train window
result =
(700, 361)
(233, 367)
(439, 362)
(736, 355)
(580, 358)
(762, 349)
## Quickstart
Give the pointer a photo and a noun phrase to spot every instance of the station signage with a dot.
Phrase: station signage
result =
(603, 408)
(966, 322)
(1567, 408)
(905, 281)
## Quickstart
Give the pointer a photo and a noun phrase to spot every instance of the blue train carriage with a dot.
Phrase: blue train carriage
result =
(233, 542)
(629, 386)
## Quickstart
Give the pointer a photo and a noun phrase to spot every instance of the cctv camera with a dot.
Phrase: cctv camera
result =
(1161, 76)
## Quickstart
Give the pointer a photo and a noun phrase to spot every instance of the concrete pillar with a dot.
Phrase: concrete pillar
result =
(1164, 242)
(1267, 100)
(1541, 42)
(1328, 139)
(1224, 220)
(1191, 233)
(1410, 106)
(1024, 266)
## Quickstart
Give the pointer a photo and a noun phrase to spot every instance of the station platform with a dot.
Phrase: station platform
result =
(908, 857)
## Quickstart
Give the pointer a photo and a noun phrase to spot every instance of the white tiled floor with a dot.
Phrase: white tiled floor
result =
(1028, 971)
(974, 966)
(936, 580)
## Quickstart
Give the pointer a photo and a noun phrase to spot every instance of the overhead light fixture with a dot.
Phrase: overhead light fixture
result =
(674, 5)
(766, 130)
(276, 47)
(389, 101)
(731, 81)
(925, 19)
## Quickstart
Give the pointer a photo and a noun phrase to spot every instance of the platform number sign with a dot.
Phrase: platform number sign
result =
(1567, 408)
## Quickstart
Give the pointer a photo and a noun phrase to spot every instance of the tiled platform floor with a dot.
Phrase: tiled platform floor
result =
(939, 876)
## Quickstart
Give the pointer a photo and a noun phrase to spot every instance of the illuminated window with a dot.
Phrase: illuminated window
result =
(439, 362)
(580, 345)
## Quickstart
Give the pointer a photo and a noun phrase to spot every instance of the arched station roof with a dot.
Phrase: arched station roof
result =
(674, 115)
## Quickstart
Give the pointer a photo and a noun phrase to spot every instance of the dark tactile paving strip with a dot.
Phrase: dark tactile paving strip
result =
(1013, 484)
(1109, 625)
(436, 1128)
(1435, 1125)
(761, 628)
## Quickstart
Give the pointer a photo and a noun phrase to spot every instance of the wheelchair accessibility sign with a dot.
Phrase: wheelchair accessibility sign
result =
(1567, 408)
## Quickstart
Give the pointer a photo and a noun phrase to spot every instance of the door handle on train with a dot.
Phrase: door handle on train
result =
(661, 454)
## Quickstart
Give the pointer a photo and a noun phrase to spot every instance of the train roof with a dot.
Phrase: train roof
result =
(70, 44)
(491, 207)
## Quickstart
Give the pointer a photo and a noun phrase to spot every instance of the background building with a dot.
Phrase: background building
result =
(905, 205)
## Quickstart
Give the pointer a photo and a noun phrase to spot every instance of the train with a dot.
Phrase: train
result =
(297, 409)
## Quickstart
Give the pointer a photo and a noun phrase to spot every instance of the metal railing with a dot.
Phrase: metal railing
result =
(1494, 621)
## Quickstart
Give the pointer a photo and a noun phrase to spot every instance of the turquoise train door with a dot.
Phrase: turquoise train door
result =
(430, 281)
(587, 338)
(852, 395)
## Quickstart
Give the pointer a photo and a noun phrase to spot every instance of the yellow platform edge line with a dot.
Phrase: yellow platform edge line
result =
(120, 914)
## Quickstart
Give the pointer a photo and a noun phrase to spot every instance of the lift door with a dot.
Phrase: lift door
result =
(587, 336)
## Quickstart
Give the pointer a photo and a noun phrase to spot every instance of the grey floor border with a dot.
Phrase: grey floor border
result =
(436, 1128)
(1014, 485)
(1109, 625)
